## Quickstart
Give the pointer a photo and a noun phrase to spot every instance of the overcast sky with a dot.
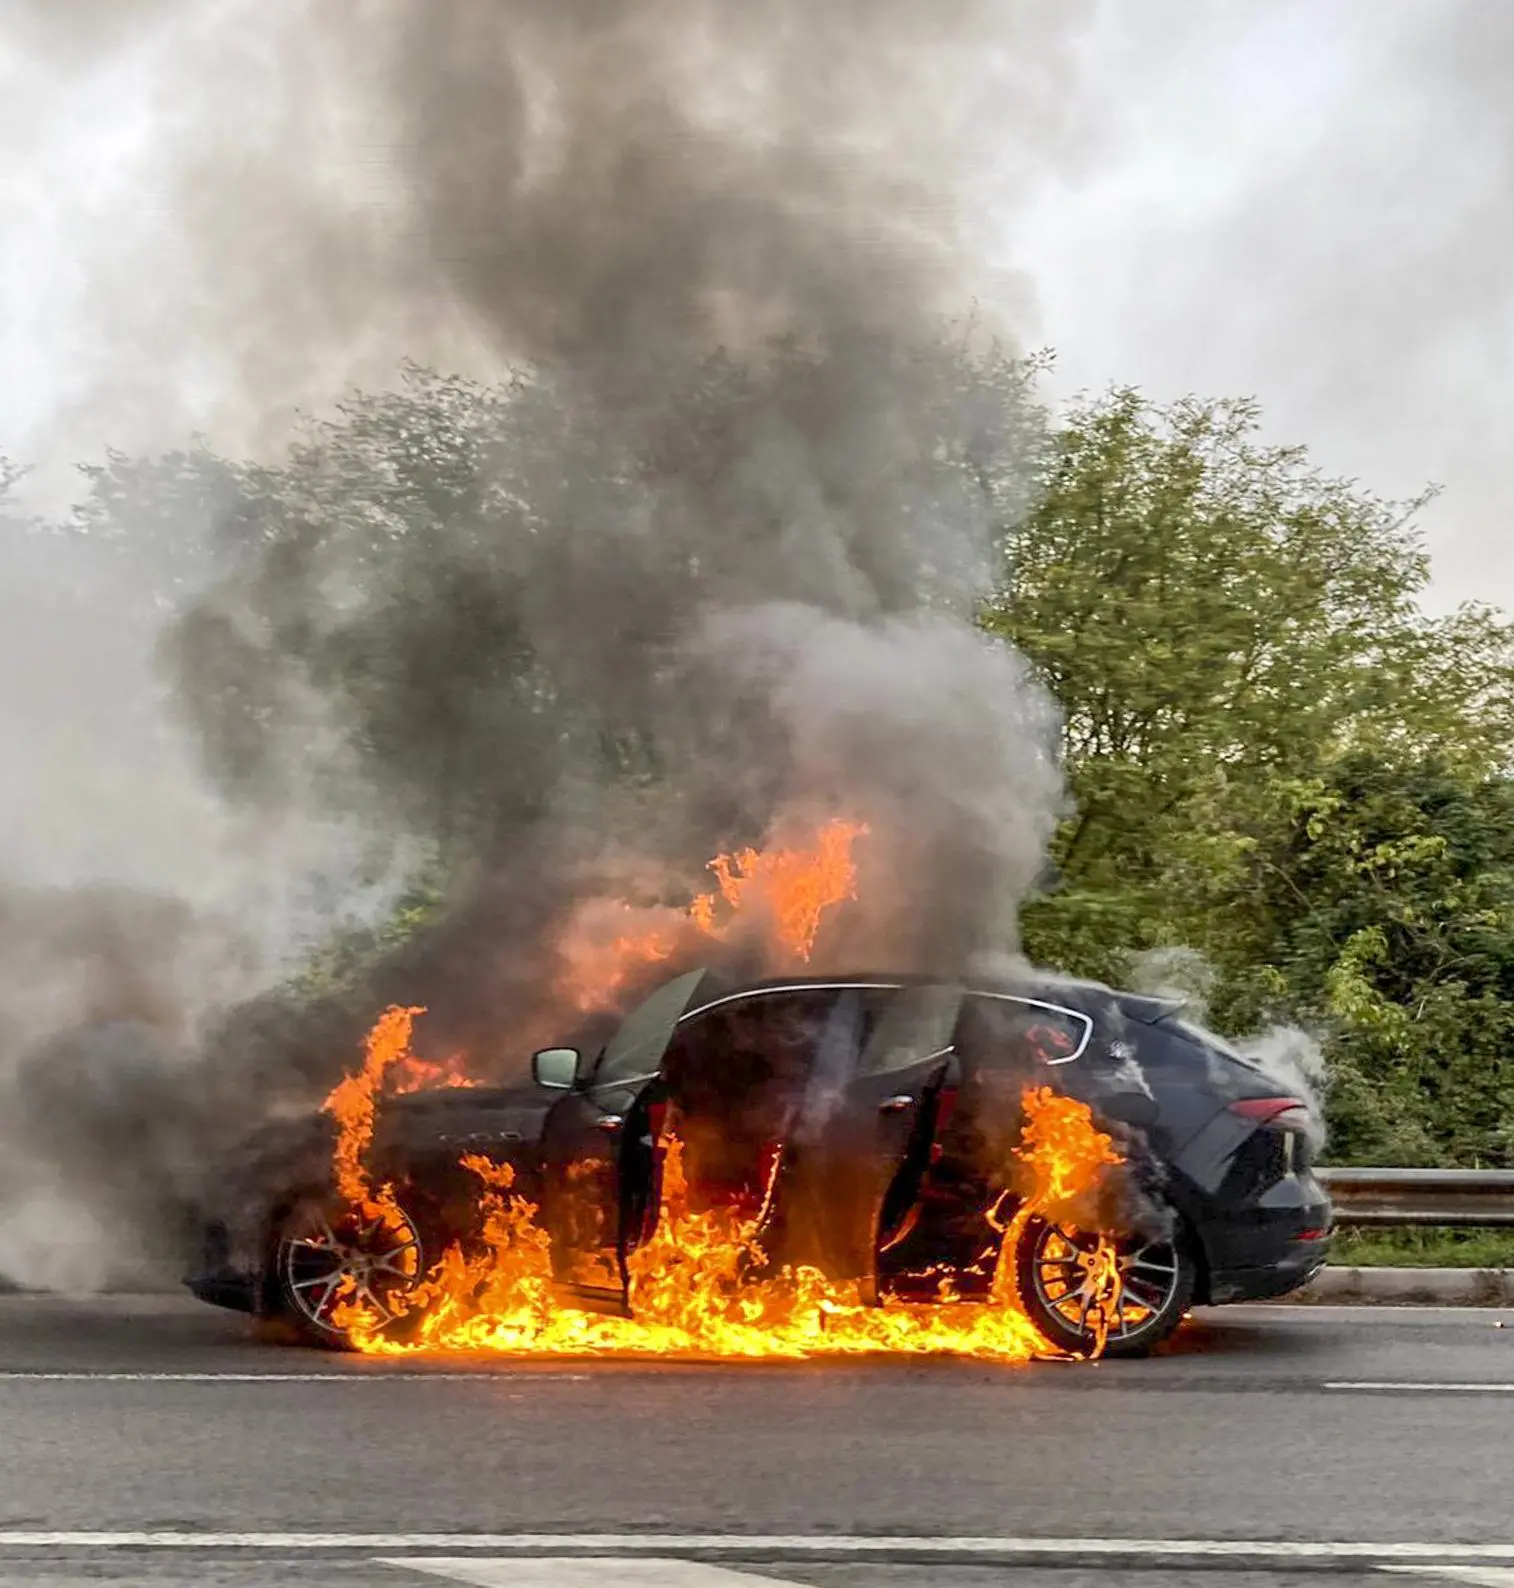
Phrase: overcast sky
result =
(1308, 201)
(1311, 202)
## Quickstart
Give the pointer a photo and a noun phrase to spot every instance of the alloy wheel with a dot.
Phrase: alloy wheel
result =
(331, 1257)
(1090, 1283)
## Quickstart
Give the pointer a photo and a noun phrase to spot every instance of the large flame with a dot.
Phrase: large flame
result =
(353, 1103)
(389, 1069)
(794, 887)
(700, 1285)
(784, 891)
(693, 1285)
(430, 1075)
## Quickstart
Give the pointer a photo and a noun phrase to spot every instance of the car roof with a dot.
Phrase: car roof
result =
(1076, 993)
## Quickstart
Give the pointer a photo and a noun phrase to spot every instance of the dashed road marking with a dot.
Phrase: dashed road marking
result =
(1484, 1576)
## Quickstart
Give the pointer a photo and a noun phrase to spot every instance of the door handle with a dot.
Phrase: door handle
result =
(896, 1105)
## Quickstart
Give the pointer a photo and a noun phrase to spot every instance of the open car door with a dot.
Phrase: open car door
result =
(590, 1140)
(862, 1166)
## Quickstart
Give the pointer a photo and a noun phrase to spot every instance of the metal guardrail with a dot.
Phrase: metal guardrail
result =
(1453, 1198)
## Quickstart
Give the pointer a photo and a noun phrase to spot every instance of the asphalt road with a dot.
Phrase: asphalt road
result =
(152, 1439)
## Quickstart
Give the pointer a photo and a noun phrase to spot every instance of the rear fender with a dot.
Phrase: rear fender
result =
(1206, 1157)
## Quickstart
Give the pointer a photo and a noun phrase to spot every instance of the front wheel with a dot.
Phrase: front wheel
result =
(328, 1256)
(1082, 1290)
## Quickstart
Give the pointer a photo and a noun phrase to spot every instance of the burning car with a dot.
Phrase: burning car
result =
(861, 1128)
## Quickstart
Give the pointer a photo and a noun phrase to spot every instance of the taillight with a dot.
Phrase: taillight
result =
(1282, 1113)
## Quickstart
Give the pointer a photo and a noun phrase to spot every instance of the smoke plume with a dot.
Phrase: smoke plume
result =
(691, 562)
(1293, 1057)
(734, 517)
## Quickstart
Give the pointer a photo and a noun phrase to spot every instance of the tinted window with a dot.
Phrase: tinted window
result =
(1019, 1033)
(764, 1043)
(907, 1024)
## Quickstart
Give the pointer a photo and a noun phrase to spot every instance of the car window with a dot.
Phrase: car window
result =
(765, 1041)
(908, 1024)
(637, 1047)
(1002, 1031)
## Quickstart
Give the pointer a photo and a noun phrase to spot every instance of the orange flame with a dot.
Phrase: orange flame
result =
(788, 890)
(696, 1287)
(439, 1075)
(795, 886)
(353, 1102)
(1066, 1155)
(700, 1284)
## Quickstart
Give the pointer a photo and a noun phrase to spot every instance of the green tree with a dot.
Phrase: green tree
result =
(1277, 759)
(1218, 620)
(1394, 889)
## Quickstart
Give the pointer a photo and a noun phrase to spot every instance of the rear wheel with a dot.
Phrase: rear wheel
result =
(328, 1257)
(1081, 1290)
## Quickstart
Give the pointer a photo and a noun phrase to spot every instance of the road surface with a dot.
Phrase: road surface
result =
(147, 1439)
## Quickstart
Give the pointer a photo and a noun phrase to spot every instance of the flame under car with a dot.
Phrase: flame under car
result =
(859, 1126)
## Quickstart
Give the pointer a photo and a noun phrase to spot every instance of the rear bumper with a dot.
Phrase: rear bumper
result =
(1297, 1266)
(1272, 1246)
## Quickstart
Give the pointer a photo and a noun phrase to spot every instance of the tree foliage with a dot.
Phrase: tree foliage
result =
(1276, 757)
(1392, 894)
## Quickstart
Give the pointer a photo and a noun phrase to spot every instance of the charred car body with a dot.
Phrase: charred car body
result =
(861, 1118)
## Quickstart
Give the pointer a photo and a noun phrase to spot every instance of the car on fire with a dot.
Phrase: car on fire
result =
(860, 1120)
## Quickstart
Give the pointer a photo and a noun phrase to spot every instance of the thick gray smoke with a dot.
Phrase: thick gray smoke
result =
(736, 516)
(134, 903)
(704, 574)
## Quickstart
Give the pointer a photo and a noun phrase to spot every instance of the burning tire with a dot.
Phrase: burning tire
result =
(327, 1256)
(1073, 1286)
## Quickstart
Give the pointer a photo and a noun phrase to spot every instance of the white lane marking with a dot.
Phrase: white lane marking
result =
(1486, 1576)
(912, 1546)
(377, 1376)
(583, 1571)
(1422, 1387)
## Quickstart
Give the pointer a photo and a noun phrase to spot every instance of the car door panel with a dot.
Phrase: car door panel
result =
(1005, 1045)
(580, 1211)
(880, 1128)
(585, 1140)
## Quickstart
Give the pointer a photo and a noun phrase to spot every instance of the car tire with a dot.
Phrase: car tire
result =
(317, 1243)
(1158, 1280)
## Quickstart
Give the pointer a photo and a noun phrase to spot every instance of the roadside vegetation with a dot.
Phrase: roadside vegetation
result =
(1423, 1248)
(1280, 763)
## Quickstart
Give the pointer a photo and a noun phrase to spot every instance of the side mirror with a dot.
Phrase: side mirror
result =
(556, 1068)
